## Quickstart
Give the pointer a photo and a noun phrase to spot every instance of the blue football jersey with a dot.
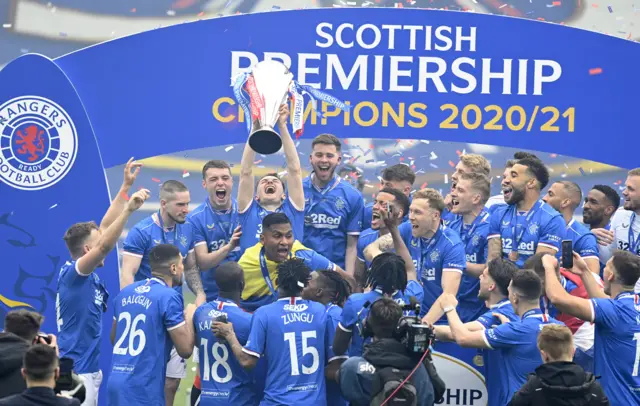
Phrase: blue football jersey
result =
(447, 217)
(524, 231)
(493, 359)
(331, 214)
(214, 228)
(444, 251)
(603, 263)
(516, 343)
(584, 242)
(147, 234)
(549, 308)
(292, 334)
(145, 312)
(334, 395)
(617, 347)
(224, 381)
(354, 313)
(80, 302)
(251, 222)
(474, 239)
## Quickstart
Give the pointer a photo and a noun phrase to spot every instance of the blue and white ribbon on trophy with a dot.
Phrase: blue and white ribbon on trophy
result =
(296, 91)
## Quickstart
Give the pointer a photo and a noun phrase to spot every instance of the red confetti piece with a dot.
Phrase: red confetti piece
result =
(371, 146)
(401, 158)
(595, 71)
(124, 196)
(553, 155)
(452, 164)
(133, 10)
(155, 180)
(424, 185)
(346, 141)
(257, 162)
(594, 5)
(458, 152)
(557, 3)
(618, 182)
(200, 14)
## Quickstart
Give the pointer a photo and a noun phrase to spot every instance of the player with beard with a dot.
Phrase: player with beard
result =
(469, 163)
(526, 225)
(615, 314)
(388, 200)
(498, 200)
(625, 224)
(399, 177)
(333, 208)
(277, 244)
(148, 319)
(600, 205)
(494, 291)
(81, 295)
(436, 251)
(269, 195)
(332, 290)
(167, 226)
(565, 196)
(215, 224)
(471, 220)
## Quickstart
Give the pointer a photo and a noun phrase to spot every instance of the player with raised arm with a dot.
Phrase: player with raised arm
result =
(390, 275)
(600, 205)
(332, 290)
(333, 208)
(565, 196)
(260, 262)
(148, 321)
(388, 200)
(399, 177)
(494, 290)
(615, 313)
(526, 224)
(224, 381)
(436, 251)
(292, 334)
(515, 341)
(269, 195)
(470, 220)
(215, 224)
(81, 295)
(167, 226)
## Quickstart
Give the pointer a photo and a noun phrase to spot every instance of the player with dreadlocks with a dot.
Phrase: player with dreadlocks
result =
(284, 329)
(331, 289)
(390, 275)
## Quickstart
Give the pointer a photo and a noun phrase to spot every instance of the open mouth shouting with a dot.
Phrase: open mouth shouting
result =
(323, 169)
(221, 193)
(507, 191)
(283, 252)
(270, 190)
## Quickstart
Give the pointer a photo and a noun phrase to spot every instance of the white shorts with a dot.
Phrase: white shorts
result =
(177, 366)
(92, 383)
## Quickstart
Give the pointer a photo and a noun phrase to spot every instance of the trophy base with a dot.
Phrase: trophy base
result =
(265, 141)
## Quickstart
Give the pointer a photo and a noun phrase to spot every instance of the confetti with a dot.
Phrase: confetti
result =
(458, 152)
(185, 174)
(566, 166)
(433, 156)
(452, 164)
(610, 9)
(553, 155)
(171, 13)
(6, 25)
(229, 148)
(257, 162)
(200, 14)
(425, 141)
(54, 206)
(133, 10)
(556, 3)
(564, 175)
(582, 172)
(433, 166)
(124, 196)
(424, 185)
(63, 34)
(368, 161)
(595, 71)
(446, 179)
(155, 180)
(503, 6)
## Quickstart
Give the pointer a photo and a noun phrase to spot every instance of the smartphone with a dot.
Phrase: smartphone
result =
(389, 209)
(567, 254)
(44, 337)
(221, 318)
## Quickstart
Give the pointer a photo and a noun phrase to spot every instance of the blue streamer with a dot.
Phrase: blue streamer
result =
(322, 96)
(242, 100)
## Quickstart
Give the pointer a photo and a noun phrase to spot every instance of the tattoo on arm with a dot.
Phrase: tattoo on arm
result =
(495, 248)
(192, 276)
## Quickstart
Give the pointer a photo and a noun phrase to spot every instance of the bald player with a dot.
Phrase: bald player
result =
(565, 196)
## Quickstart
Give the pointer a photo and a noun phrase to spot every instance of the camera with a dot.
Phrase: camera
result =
(68, 383)
(415, 336)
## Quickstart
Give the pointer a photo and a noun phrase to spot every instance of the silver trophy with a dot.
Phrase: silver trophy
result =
(268, 89)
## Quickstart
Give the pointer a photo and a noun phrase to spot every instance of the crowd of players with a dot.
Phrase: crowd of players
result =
(284, 273)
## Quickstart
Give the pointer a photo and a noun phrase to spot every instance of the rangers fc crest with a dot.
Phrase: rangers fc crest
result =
(38, 143)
